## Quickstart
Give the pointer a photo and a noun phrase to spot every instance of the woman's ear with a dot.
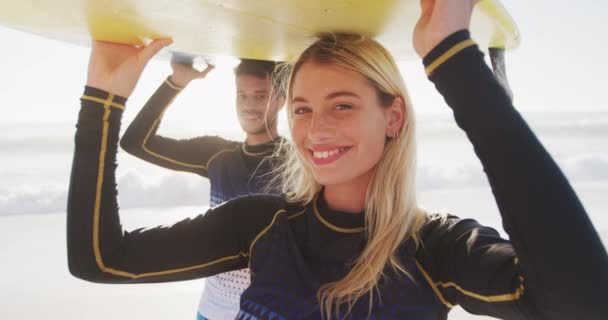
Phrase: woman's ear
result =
(395, 117)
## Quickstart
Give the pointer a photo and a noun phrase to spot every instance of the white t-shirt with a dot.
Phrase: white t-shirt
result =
(222, 294)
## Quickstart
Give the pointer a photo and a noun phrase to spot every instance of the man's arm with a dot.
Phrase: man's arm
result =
(190, 155)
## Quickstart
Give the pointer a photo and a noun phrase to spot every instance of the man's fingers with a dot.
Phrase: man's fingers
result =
(181, 59)
(206, 71)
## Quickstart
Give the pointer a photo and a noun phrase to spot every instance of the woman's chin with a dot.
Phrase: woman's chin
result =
(330, 178)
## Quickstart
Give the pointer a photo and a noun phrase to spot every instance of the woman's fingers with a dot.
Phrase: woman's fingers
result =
(148, 52)
(116, 67)
(427, 7)
(439, 19)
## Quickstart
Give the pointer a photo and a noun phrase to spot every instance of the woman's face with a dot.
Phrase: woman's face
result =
(339, 126)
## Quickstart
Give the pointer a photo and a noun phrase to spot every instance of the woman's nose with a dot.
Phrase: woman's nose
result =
(321, 128)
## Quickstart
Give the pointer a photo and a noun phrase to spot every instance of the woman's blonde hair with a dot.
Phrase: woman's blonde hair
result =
(391, 210)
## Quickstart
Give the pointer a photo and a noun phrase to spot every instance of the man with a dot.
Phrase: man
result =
(233, 168)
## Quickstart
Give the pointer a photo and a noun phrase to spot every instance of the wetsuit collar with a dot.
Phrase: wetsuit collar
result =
(263, 149)
(339, 221)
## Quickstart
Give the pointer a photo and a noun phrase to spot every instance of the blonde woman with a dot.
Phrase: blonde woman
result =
(348, 240)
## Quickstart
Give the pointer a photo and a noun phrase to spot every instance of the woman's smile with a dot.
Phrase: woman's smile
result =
(327, 154)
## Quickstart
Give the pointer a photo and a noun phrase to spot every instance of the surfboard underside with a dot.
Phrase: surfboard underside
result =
(261, 29)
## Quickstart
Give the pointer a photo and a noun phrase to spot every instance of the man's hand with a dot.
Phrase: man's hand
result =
(184, 72)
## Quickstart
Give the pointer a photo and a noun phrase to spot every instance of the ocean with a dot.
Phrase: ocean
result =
(34, 175)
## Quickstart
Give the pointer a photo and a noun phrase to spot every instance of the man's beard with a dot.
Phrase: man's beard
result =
(265, 127)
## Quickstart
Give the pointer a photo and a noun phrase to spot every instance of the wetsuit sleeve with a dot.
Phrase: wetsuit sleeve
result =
(471, 265)
(555, 266)
(190, 155)
(100, 251)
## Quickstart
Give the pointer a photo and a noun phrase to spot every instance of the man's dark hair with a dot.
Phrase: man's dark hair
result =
(264, 69)
(260, 68)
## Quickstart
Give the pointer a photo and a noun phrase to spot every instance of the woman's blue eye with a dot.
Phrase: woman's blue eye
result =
(301, 110)
(343, 107)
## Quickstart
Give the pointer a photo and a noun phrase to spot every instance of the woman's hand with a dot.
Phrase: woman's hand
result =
(116, 68)
(439, 19)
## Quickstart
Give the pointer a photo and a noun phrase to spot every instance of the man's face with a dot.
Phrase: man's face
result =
(252, 94)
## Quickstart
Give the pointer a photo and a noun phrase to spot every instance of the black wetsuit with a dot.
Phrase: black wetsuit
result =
(233, 169)
(553, 267)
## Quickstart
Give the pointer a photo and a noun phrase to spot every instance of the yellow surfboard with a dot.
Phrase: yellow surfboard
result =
(260, 29)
